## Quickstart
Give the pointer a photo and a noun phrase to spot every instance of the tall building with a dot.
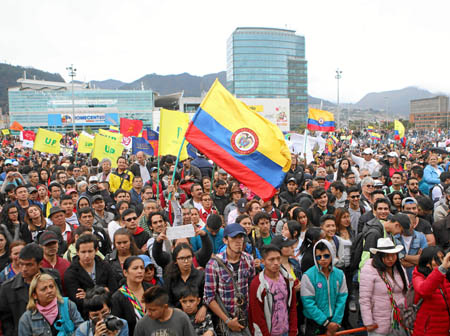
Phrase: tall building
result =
(430, 113)
(269, 63)
(35, 103)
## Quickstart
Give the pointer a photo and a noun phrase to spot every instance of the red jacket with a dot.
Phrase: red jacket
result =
(432, 317)
(259, 308)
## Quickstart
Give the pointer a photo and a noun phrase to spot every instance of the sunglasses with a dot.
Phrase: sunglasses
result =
(369, 185)
(324, 256)
(354, 196)
(131, 219)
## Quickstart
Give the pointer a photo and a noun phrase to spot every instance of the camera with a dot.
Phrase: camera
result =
(111, 322)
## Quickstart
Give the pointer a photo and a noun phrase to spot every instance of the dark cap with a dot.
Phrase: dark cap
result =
(241, 204)
(153, 169)
(32, 190)
(232, 230)
(214, 222)
(55, 210)
(47, 237)
(281, 241)
(319, 178)
(402, 219)
(222, 172)
(292, 179)
(376, 174)
(97, 197)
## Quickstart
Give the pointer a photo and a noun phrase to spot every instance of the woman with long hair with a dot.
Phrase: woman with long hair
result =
(127, 300)
(4, 249)
(42, 194)
(312, 236)
(382, 288)
(47, 309)
(432, 289)
(396, 198)
(299, 215)
(44, 176)
(206, 184)
(123, 248)
(35, 223)
(287, 215)
(11, 221)
(292, 230)
(13, 268)
(345, 167)
(114, 225)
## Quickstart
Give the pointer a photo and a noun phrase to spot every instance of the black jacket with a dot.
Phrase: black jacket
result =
(122, 307)
(362, 221)
(76, 277)
(176, 286)
(314, 214)
(289, 197)
(220, 202)
(441, 230)
(113, 260)
(14, 300)
(136, 170)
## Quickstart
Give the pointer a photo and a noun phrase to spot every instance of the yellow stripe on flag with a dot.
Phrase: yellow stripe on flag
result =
(172, 126)
(85, 143)
(47, 141)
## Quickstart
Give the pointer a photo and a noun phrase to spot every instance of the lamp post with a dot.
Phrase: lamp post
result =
(338, 77)
(72, 73)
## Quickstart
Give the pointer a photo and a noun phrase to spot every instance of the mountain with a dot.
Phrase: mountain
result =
(193, 86)
(396, 102)
(316, 101)
(9, 74)
(109, 84)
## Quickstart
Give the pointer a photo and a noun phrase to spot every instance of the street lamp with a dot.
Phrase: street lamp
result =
(72, 73)
(338, 77)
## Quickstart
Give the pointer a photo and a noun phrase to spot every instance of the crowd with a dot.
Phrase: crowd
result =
(360, 236)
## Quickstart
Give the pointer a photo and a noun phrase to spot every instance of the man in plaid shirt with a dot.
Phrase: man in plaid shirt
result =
(219, 292)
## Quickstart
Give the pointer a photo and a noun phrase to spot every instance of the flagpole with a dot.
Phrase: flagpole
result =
(157, 181)
(176, 165)
(212, 179)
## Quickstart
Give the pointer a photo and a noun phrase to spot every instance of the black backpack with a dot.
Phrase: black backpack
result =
(358, 247)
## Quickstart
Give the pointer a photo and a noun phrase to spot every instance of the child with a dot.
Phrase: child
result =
(150, 276)
(189, 303)
(323, 292)
(328, 226)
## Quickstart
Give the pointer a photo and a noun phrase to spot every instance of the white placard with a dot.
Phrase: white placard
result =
(182, 231)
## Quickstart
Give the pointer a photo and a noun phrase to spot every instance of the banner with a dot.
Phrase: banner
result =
(130, 127)
(173, 125)
(141, 145)
(27, 138)
(47, 141)
(85, 143)
(111, 135)
(6, 131)
(105, 148)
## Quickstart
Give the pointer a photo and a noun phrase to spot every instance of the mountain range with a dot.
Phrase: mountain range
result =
(397, 101)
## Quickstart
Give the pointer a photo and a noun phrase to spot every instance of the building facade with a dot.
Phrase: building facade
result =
(429, 113)
(46, 104)
(269, 63)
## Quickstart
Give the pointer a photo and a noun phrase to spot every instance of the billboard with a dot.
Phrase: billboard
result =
(57, 119)
(276, 110)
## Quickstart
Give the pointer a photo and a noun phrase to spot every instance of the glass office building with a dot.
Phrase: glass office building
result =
(45, 104)
(269, 63)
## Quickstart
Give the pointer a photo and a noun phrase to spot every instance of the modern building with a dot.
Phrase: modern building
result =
(269, 63)
(36, 103)
(429, 113)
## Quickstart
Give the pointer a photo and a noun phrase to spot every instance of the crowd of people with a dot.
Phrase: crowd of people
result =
(358, 237)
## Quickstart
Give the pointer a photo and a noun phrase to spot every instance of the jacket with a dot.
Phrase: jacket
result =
(113, 260)
(85, 329)
(433, 317)
(33, 323)
(123, 181)
(374, 299)
(14, 300)
(373, 230)
(217, 241)
(76, 277)
(136, 168)
(261, 306)
(441, 231)
(440, 210)
(430, 178)
(324, 299)
(314, 213)
(175, 286)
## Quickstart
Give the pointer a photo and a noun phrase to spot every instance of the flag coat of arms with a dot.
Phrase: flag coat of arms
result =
(241, 141)
(319, 120)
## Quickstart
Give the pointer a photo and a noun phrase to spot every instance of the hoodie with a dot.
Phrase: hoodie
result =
(324, 298)
(80, 198)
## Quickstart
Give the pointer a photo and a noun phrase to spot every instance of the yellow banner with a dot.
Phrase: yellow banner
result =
(85, 143)
(111, 135)
(172, 125)
(5, 131)
(47, 141)
(105, 148)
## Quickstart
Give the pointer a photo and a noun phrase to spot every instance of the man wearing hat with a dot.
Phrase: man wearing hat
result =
(290, 195)
(58, 218)
(226, 297)
(96, 188)
(49, 242)
(367, 162)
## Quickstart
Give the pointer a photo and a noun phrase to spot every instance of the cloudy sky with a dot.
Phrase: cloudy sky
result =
(379, 45)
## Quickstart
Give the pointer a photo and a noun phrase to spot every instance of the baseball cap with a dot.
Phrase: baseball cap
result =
(222, 171)
(368, 151)
(378, 183)
(93, 178)
(47, 237)
(97, 197)
(214, 222)
(8, 161)
(154, 169)
(146, 259)
(292, 179)
(408, 200)
(241, 203)
(232, 230)
(32, 190)
(392, 154)
(403, 219)
(376, 174)
(55, 210)
(281, 241)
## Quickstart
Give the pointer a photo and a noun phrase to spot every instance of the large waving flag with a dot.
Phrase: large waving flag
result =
(152, 137)
(15, 126)
(85, 143)
(47, 141)
(375, 136)
(319, 120)
(27, 138)
(111, 135)
(130, 127)
(105, 147)
(399, 130)
(241, 141)
(172, 128)
(141, 145)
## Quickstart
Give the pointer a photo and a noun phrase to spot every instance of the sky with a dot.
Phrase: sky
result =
(379, 45)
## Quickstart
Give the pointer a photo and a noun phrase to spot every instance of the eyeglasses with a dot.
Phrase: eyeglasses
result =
(184, 259)
(131, 219)
(369, 185)
(324, 256)
(355, 196)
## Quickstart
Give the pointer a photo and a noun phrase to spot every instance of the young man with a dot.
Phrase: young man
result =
(129, 221)
(354, 207)
(67, 205)
(219, 196)
(230, 304)
(101, 217)
(14, 292)
(338, 190)
(136, 191)
(55, 190)
(160, 319)
(350, 179)
(290, 195)
(410, 204)
(397, 183)
(320, 207)
(323, 292)
(87, 270)
(262, 222)
(215, 232)
(22, 200)
(49, 242)
(86, 218)
(272, 309)
(122, 178)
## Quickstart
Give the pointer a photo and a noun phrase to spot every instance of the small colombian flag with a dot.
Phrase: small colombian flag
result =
(319, 120)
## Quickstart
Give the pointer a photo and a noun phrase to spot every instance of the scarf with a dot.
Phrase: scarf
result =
(133, 300)
(50, 311)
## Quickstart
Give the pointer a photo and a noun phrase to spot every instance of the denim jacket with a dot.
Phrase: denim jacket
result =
(419, 241)
(33, 323)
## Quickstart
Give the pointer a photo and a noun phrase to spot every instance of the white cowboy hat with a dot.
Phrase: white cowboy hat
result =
(386, 245)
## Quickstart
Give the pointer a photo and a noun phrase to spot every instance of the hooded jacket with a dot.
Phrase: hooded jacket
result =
(261, 305)
(324, 298)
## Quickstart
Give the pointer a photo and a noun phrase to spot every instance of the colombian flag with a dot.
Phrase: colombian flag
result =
(375, 136)
(399, 130)
(319, 120)
(241, 141)
(370, 129)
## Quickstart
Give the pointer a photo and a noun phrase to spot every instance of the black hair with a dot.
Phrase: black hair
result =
(119, 191)
(353, 189)
(377, 192)
(429, 254)
(417, 171)
(151, 215)
(219, 183)
(124, 232)
(347, 174)
(121, 157)
(322, 247)
(425, 203)
(240, 218)
(338, 186)
(86, 210)
(195, 184)
(312, 235)
(327, 217)
(127, 263)
(80, 230)
(157, 295)
(32, 251)
(317, 193)
(54, 184)
(379, 201)
(65, 198)
(189, 291)
(288, 209)
(260, 215)
(378, 264)
(266, 249)
(172, 270)
(294, 227)
(95, 298)
(86, 239)
(392, 194)
(127, 212)
(444, 176)
(411, 178)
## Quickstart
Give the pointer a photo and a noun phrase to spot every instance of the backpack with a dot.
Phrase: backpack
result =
(358, 247)
(410, 309)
